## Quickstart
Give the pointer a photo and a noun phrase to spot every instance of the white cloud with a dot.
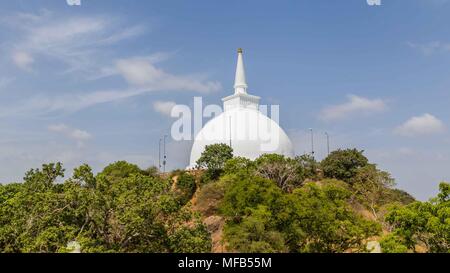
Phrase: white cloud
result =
(426, 124)
(41, 105)
(431, 47)
(23, 60)
(141, 72)
(164, 107)
(75, 134)
(76, 41)
(111, 70)
(355, 105)
(80, 43)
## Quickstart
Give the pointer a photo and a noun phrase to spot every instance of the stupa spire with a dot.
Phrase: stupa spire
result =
(240, 98)
(240, 83)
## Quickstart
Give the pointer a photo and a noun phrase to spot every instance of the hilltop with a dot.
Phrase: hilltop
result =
(230, 204)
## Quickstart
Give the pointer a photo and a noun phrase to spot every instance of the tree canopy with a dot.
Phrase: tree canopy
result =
(421, 224)
(213, 159)
(343, 164)
(270, 204)
(263, 218)
(121, 209)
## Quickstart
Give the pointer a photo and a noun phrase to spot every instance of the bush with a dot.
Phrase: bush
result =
(121, 169)
(209, 198)
(261, 218)
(393, 244)
(343, 164)
(255, 233)
(285, 172)
(239, 165)
(308, 167)
(213, 160)
(424, 223)
(118, 210)
(186, 186)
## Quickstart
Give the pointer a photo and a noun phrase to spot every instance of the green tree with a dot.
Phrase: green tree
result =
(33, 214)
(188, 238)
(9, 217)
(255, 233)
(186, 186)
(424, 223)
(84, 176)
(242, 194)
(250, 204)
(321, 220)
(263, 218)
(241, 165)
(213, 159)
(41, 180)
(398, 196)
(343, 164)
(285, 172)
(393, 244)
(371, 186)
(140, 213)
(308, 167)
(120, 170)
(122, 209)
(152, 171)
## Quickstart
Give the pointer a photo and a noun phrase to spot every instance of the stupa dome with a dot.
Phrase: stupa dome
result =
(242, 126)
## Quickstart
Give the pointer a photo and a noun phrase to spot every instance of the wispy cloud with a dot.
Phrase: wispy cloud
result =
(430, 48)
(76, 41)
(70, 103)
(43, 105)
(354, 106)
(80, 44)
(141, 72)
(75, 134)
(111, 69)
(426, 124)
(164, 107)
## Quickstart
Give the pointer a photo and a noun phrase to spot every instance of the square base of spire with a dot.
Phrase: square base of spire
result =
(241, 100)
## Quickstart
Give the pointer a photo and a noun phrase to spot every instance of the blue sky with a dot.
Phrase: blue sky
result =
(92, 84)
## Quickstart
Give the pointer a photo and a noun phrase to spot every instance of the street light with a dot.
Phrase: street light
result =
(312, 141)
(165, 156)
(328, 142)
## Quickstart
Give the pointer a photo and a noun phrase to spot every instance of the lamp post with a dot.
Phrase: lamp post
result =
(165, 156)
(312, 141)
(328, 142)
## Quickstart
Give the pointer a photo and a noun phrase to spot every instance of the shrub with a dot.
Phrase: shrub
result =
(343, 164)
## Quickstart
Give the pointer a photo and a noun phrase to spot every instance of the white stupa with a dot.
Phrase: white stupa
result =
(242, 126)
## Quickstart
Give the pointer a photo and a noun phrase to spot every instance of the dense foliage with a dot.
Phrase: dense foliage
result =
(186, 187)
(343, 164)
(278, 204)
(313, 218)
(213, 160)
(421, 224)
(271, 204)
(122, 209)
